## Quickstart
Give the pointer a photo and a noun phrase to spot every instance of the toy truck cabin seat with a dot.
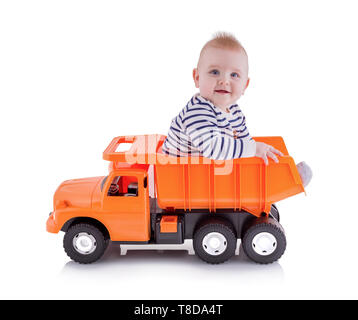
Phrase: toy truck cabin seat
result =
(208, 203)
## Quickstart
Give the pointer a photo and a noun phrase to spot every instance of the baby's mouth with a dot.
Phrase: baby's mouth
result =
(222, 91)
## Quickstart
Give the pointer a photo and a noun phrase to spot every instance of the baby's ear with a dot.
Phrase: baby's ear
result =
(247, 84)
(196, 77)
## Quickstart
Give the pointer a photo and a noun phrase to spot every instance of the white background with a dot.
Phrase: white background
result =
(75, 74)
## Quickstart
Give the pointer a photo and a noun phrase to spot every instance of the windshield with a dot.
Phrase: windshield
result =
(103, 182)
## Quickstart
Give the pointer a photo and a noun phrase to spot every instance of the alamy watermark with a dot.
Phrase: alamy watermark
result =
(144, 150)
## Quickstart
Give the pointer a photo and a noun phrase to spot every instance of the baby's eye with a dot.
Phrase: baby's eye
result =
(214, 72)
(235, 75)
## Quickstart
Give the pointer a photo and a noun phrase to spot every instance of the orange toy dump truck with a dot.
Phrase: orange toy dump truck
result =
(208, 204)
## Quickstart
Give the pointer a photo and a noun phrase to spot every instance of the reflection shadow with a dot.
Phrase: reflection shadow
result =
(176, 263)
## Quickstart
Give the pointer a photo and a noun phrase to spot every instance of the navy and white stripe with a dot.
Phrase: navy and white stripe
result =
(201, 129)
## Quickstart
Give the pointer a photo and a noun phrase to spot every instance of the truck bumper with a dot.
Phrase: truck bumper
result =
(51, 225)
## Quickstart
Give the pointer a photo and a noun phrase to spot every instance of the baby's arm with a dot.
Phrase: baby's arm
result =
(263, 150)
(218, 143)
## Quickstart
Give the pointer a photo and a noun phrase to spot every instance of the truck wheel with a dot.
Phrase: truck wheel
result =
(84, 243)
(265, 241)
(214, 243)
(274, 212)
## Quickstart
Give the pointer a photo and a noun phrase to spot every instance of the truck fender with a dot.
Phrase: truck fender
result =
(88, 220)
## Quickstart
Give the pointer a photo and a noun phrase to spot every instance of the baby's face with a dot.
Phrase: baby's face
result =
(222, 75)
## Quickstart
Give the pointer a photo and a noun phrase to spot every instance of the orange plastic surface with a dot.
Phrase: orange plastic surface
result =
(143, 150)
(168, 224)
(127, 218)
(200, 183)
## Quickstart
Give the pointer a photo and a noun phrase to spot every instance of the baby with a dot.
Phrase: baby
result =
(212, 124)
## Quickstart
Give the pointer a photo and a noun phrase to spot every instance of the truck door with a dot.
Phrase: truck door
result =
(125, 203)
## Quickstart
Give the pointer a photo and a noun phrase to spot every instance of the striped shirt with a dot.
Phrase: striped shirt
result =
(201, 129)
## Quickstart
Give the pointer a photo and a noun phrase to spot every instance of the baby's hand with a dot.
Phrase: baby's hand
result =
(264, 150)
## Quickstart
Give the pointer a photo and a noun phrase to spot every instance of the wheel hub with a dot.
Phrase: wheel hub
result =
(214, 243)
(264, 243)
(84, 243)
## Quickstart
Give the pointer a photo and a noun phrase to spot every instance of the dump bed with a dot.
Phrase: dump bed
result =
(200, 183)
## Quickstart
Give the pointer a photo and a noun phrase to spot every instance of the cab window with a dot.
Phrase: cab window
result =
(123, 186)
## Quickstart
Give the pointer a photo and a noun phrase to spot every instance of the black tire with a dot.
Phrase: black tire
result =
(84, 243)
(264, 241)
(274, 213)
(214, 232)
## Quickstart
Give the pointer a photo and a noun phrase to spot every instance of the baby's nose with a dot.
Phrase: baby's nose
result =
(224, 81)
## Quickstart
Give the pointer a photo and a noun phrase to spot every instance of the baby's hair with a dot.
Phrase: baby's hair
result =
(224, 40)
